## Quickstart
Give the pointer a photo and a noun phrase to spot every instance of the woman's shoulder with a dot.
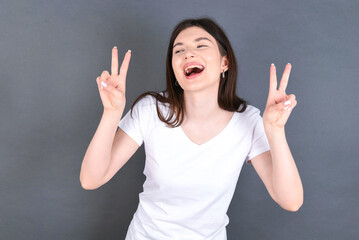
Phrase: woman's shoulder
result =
(149, 99)
(147, 108)
(148, 104)
(250, 112)
(251, 109)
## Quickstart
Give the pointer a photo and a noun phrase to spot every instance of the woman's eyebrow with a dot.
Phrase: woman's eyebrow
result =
(196, 40)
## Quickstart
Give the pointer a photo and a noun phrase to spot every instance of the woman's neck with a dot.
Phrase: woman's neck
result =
(201, 106)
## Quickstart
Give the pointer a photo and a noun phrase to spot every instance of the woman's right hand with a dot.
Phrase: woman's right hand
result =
(112, 87)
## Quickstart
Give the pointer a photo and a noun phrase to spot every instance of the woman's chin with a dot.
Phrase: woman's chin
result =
(198, 86)
(191, 84)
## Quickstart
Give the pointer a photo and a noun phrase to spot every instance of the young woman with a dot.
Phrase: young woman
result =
(197, 135)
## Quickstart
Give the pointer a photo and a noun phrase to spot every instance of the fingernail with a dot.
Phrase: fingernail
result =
(289, 109)
(129, 51)
(114, 47)
(103, 84)
(272, 64)
(287, 102)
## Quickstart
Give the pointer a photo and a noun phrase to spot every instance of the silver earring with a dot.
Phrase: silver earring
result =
(176, 83)
(223, 75)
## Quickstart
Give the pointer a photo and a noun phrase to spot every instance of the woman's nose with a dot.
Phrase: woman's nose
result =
(189, 54)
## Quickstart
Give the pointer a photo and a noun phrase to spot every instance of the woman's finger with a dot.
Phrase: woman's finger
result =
(114, 62)
(272, 79)
(105, 76)
(124, 66)
(114, 91)
(290, 103)
(285, 78)
(98, 81)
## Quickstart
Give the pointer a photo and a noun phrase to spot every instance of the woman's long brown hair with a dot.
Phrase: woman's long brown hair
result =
(173, 95)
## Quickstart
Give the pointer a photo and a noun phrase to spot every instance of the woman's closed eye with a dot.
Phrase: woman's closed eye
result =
(197, 47)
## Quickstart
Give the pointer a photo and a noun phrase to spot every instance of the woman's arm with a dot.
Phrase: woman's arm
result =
(286, 182)
(98, 155)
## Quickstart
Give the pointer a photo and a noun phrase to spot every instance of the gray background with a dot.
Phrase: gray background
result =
(52, 52)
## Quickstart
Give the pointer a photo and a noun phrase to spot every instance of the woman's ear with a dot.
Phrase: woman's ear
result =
(225, 63)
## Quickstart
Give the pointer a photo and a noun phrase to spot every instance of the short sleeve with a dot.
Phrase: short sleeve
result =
(131, 125)
(260, 142)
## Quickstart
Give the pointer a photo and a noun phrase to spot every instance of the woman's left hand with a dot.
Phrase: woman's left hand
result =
(279, 105)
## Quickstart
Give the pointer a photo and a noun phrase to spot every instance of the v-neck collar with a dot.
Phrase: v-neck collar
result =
(213, 138)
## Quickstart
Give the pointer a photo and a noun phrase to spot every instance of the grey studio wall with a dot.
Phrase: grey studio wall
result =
(52, 52)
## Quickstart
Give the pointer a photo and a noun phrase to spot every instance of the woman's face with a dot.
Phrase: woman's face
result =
(195, 46)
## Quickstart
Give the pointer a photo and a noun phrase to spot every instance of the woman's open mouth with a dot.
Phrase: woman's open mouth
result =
(193, 71)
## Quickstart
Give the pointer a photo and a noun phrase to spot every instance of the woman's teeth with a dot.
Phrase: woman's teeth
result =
(187, 69)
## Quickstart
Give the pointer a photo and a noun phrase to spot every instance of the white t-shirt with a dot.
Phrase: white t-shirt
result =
(189, 187)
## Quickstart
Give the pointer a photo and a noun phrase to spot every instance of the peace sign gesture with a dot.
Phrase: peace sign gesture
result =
(112, 87)
(279, 104)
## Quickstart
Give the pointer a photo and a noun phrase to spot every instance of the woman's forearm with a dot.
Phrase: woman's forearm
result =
(98, 155)
(286, 181)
